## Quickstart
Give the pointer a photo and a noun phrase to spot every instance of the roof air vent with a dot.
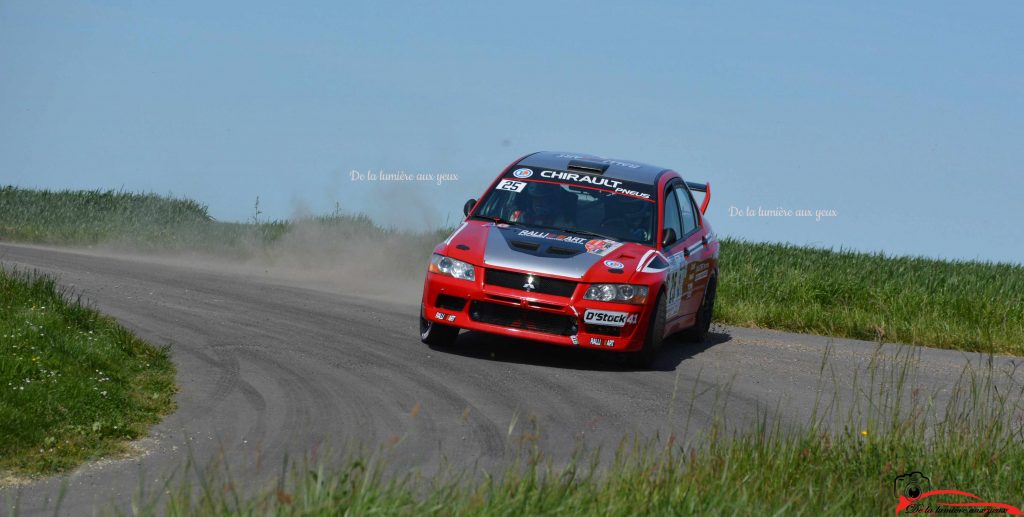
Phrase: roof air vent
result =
(587, 166)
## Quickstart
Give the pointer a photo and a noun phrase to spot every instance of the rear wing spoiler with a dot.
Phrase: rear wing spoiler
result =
(701, 187)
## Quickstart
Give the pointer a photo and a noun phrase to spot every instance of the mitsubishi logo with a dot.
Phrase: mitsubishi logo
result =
(528, 286)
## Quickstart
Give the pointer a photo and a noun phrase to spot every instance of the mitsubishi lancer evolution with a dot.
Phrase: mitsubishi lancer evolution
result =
(579, 251)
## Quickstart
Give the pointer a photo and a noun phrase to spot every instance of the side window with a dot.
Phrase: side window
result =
(672, 213)
(687, 211)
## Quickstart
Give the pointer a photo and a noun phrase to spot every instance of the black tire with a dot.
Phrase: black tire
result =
(698, 333)
(435, 334)
(655, 335)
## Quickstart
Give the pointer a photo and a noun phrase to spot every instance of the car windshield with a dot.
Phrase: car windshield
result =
(581, 203)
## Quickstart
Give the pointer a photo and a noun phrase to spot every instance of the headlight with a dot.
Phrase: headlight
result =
(443, 265)
(618, 293)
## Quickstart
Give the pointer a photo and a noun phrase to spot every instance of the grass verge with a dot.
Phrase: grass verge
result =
(844, 462)
(74, 385)
(974, 306)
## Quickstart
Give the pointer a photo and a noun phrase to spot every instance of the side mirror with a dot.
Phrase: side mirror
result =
(668, 237)
(468, 207)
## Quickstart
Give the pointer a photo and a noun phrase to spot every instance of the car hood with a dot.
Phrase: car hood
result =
(548, 252)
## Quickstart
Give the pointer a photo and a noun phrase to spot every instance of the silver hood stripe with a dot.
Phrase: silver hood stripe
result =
(500, 254)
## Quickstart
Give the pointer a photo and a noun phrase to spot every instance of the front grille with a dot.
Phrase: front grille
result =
(526, 319)
(604, 330)
(452, 303)
(542, 284)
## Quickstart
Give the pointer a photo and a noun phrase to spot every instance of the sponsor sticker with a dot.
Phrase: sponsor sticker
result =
(678, 272)
(609, 318)
(552, 236)
(614, 264)
(596, 341)
(439, 315)
(610, 342)
(597, 181)
(602, 247)
(511, 185)
(617, 186)
(575, 340)
(599, 160)
(451, 317)
(623, 164)
(634, 193)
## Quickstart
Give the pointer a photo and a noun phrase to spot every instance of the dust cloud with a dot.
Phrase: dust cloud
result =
(386, 264)
(381, 254)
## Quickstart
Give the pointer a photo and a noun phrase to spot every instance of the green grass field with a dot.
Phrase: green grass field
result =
(972, 306)
(73, 384)
(90, 216)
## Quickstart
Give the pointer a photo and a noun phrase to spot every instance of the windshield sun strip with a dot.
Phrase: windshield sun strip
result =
(591, 187)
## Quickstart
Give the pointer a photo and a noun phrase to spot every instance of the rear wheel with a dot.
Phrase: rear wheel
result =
(435, 334)
(655, 335)
(698, 333)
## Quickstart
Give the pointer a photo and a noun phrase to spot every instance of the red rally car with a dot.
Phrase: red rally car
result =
(576, 250)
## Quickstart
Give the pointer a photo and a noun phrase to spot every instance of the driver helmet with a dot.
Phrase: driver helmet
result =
(632, 210)
(543, 200)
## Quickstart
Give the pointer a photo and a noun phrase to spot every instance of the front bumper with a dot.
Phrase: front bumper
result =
(557, 320)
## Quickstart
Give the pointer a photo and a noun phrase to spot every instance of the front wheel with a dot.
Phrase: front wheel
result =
(435, 334)
(655, 335)
(698, 333)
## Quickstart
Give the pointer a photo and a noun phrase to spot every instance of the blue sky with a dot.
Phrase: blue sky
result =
(903, 117)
